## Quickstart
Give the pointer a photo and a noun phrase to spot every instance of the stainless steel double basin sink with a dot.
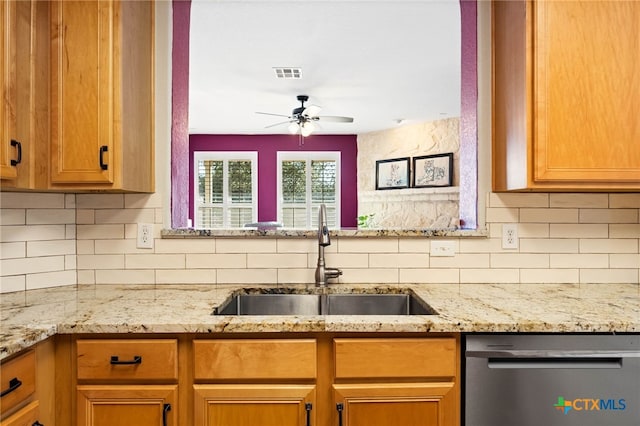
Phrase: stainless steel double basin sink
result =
(324, 304)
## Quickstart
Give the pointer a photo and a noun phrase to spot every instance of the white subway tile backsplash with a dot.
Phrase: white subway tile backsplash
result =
(13, 250)
(508, 215)
(398, 260)
(125, 216)
(31, 200)
(70, 232)
(125, 276)
(13, 283)
(370, 276)
(50, 216)
(551, 245)
(186, 276)
(100, 201)
(481, 245)
(85, 216)
(498, 276)
(624, 231)
(70, 201)
(50, 248)
(71, 262)
(583, 260)
(367, 245)
(624, 260)
(531, 230)
(551, 276)
(286, 260)
(608, 216)
(216, 261)
(248, 245)
(518, 200)
(610, 245)
(51, 279)
(117, 247)
(86, 277)
(609, 276)
(430, 275)
(293, 245)
(13, 217)
(85, 247)
(519, 260)
(154, 261)
(31, 265)
(96, 232)
(296, 276)
(461, 260)
(247, 276)
(623, 201)
(32, 233)
(414, 245)
(600, 230)
(100, 261)
(143, 201)
(564, 200)
(549, 215)
(185, 246)
(342, 260)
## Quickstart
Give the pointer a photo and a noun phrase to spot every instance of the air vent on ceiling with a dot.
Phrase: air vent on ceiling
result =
(288, 72)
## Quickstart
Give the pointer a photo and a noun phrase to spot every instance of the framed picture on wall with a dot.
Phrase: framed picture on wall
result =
(392, 174)
(433, 170)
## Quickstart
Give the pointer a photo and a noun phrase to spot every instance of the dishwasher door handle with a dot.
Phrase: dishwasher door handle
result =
(554, 362)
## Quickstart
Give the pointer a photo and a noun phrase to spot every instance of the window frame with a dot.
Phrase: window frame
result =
(308, 156)
(225, 157)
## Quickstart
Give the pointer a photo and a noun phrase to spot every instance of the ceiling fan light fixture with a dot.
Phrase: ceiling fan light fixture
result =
(293, 128)
(306, 128)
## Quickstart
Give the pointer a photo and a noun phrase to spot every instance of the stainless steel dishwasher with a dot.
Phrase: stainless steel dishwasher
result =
(552, 380)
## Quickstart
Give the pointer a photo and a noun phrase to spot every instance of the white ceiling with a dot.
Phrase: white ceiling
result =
(376, 61)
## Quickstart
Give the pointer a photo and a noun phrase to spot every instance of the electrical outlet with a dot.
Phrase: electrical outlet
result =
(145, 236)
(441, 248)
(510, 236)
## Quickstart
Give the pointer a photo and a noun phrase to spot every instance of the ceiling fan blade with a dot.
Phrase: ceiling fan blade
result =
(312, 111)
(335, 119)
(278, 124)
(269, 113)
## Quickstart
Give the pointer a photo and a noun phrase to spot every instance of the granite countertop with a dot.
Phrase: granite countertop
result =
(29, 317)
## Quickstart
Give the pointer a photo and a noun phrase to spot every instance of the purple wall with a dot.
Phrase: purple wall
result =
(267, 147)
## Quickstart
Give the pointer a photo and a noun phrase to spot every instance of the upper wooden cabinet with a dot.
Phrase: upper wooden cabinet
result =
(566, 95)
(9, 146)
(102, 103)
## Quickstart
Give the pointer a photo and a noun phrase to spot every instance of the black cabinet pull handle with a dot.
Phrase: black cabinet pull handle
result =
(340, 408)
(37, 423)
(103, 149)
(13, 385)
(137, 359)
(165, 409)
(18, 146)
(308, 406)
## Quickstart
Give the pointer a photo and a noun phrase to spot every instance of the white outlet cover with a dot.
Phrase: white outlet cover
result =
(145, 236)
(510, 236)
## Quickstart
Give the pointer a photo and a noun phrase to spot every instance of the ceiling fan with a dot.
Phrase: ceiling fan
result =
(303, 117)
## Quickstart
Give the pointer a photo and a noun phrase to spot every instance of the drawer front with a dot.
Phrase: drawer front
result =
(127, 359)
(255, 359)
(387, 358)
(28, 416)
(17, 380)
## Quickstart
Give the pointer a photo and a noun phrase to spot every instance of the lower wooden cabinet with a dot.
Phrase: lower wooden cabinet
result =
(384, 404)
(28, 416)
(259, 379)
(126, 405)
(254, 405)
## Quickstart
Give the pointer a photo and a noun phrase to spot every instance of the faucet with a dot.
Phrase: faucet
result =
(322, 272)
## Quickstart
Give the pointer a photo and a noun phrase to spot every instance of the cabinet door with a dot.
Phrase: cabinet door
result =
(82, 91)
(7, 74)
(415, 404)
(587, 91)
(144, 405)
(254, 405)
(28, 416)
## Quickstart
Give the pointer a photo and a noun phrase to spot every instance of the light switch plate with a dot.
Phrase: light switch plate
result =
(443, 248)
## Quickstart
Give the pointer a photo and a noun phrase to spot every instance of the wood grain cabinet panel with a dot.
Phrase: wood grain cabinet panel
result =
(102, 101)
(27, 416)
(17, 380)
(566, 95)
(7, 84)
(127, 360)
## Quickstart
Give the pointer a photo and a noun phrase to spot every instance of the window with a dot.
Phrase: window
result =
(306, 180)
(226, 185)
